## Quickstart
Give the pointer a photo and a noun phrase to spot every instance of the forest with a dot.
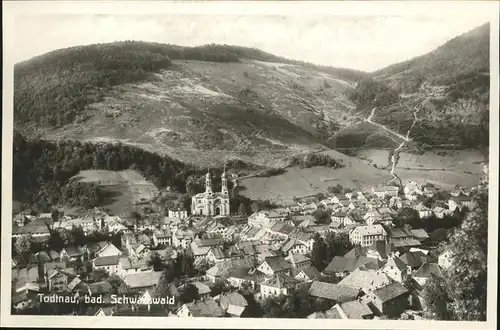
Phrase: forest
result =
(42, 169)
(54, 89)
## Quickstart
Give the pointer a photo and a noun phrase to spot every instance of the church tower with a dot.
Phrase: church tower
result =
(208, 183)
(224, 190)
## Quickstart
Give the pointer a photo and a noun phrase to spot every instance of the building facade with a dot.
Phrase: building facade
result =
(211, 203)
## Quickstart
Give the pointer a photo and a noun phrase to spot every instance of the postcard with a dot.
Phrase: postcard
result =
(250, 164)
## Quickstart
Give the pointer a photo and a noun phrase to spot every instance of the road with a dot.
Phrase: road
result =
(395, 157)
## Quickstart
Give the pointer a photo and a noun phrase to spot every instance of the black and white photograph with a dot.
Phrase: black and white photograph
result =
(168, 163)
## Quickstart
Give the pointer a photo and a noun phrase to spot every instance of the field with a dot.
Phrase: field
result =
(122, 189)
(297, 182)
(461, 167)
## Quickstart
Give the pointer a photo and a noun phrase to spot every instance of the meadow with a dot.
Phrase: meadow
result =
(123, 190)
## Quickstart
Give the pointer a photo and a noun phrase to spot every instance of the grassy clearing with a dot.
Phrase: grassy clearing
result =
(445, 167)
(297, 182)
(122, 189)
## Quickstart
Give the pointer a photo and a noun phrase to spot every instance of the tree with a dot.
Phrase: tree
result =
(408, 216)
(319, 196)
(22, 245)
(463, 287)
(437, 299)
(163, 289)
(468, 273)
(58, 240)
(220, 286)
(322, 216)
(319, 253)
(254, 207)
(99, 275)
(155, 261)
(116, 283)
(242, 209)
(337, 189)
(188, 293)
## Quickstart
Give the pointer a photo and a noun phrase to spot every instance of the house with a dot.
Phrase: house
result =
(201, 308)
(298, 261)
(100, 249)
(308, 274)
(366, 235)
(396, 269)
(218, 253)
(203, 289)
(413, 260)
(429, 190)
(182, 238)
(252, 233)
(383, 191)
(199, 251)
(419, 234)
(439, 212)
(342, 266)
(225, 268)
(232, 303)
(460, 202)
(105, 311)
(354, 310)
(411, 190)
(335, 292)
(380, 250)
(172, 223)
(366, 279)
(142, 281)
(180, 214)
(390, 300)
(162, 237)
(132, 265)
(71, 253)
(110, 264)
(424, 273)
(21, 301)
(274, 265)
(264, 219)
(423, 211)
(292, 245)
(279, 284)
(445, 259)
(25, 279)
(99, 289)
(141, 251)
(58, 280)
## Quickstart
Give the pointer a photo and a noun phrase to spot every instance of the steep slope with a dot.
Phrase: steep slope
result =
(198, 105)
(448, 86)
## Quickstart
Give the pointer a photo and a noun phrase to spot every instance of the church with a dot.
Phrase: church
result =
(209, 203)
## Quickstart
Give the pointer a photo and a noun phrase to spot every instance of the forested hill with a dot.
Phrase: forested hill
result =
(448, 86)
(54, 88)
(191, 103)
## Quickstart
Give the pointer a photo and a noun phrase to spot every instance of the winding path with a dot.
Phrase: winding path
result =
(395, 153)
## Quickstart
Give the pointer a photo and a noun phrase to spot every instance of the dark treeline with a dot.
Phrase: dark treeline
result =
(371, 93)
(316, 159)
(41, 169)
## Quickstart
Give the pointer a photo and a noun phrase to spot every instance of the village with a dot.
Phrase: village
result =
(361, 254)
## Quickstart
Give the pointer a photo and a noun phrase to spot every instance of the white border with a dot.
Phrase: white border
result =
(344, 8)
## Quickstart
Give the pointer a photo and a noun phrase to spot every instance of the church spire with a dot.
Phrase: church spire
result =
(208, 182)
(224, 190)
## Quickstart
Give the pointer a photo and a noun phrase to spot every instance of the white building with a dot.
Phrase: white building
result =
(210, 203)
(367, 235)
(445, 259)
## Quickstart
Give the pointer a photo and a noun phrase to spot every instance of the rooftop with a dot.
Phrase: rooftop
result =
(339, 293)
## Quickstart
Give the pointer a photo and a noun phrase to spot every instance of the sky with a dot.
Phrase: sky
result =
(365, 43)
